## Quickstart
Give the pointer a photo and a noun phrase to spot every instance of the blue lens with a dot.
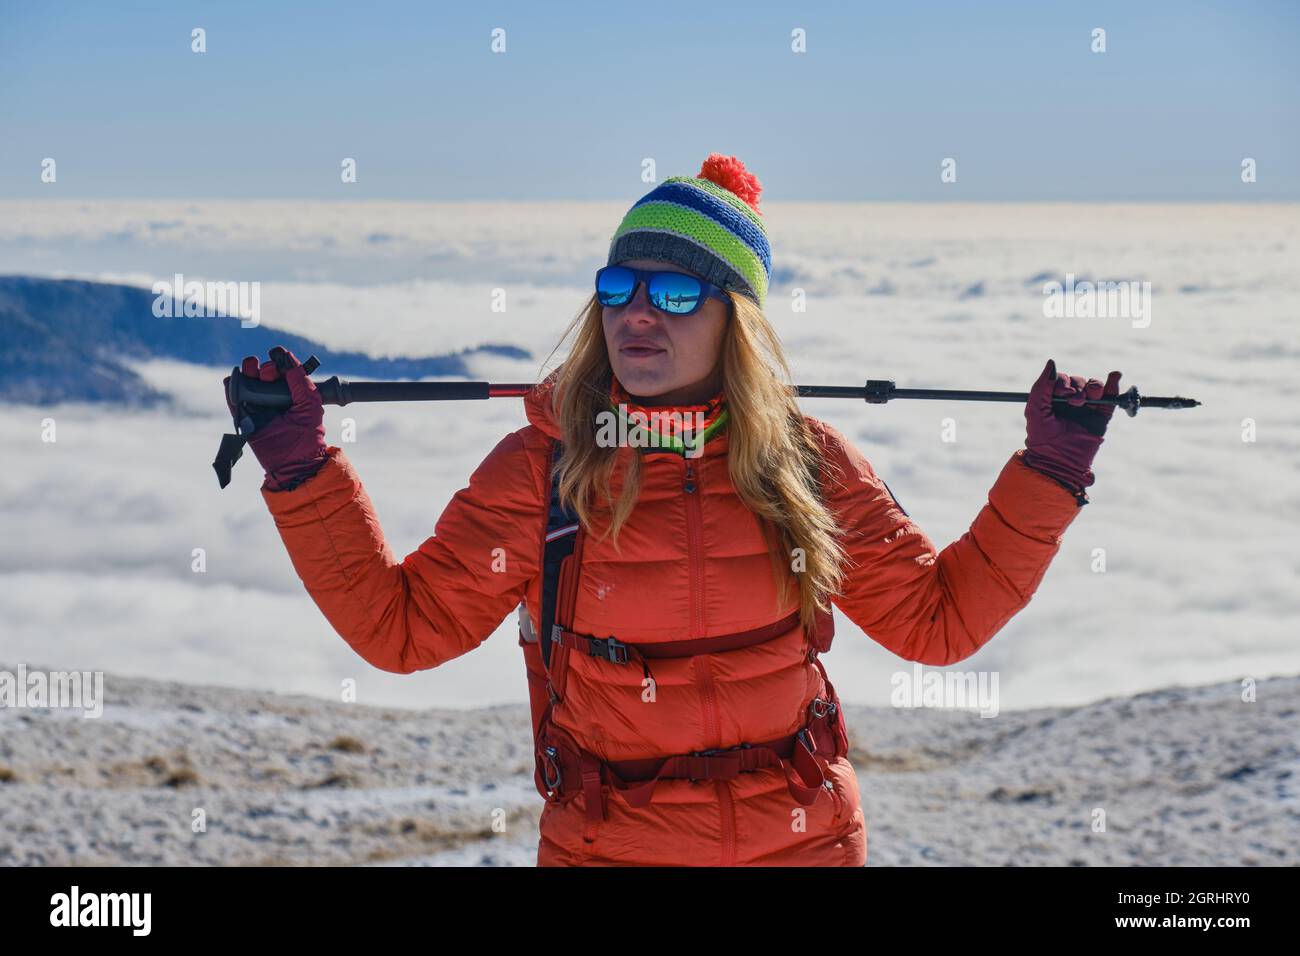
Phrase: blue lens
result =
(675, 293)
(614, 285)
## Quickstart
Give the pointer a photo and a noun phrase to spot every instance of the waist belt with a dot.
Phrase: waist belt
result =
(563, 768)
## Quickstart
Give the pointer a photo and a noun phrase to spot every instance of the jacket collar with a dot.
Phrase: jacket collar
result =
(712, 417)
(677, 429)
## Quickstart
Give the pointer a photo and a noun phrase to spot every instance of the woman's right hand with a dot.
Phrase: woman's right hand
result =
(290, 443)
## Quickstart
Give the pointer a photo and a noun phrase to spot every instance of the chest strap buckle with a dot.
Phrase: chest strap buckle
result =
(610, 648)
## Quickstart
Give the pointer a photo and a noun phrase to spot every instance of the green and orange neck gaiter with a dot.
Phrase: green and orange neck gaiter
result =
(681, 429)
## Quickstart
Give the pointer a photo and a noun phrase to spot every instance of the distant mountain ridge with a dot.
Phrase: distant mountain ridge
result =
(67, 340)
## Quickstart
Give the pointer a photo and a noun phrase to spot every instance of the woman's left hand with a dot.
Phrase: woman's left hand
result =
(1063, 438)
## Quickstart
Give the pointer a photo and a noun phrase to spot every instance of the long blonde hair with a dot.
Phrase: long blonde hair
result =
(771, 456)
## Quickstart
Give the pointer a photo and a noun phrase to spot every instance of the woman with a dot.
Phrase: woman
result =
(676, 585)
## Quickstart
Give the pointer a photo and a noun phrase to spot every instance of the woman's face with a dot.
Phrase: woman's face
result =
(670, 359)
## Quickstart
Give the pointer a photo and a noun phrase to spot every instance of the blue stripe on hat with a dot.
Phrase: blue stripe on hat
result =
(726, 215)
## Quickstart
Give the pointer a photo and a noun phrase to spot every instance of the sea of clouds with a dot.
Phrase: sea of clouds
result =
(1198, 526)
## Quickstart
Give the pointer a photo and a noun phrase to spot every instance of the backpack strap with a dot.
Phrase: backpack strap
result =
(618, 652)
(562, 531)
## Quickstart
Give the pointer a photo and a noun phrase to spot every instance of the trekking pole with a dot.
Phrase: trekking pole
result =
(877, 392)
(244, 391)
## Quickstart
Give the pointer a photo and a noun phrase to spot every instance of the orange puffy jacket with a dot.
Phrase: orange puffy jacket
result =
(693, 564)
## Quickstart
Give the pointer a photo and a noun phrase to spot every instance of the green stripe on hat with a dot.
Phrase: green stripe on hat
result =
(702, 230)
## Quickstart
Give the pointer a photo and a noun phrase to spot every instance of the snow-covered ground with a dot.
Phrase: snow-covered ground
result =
(1183, 776)
(1198, 526)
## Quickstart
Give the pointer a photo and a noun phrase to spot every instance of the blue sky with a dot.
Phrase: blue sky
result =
(885, 92)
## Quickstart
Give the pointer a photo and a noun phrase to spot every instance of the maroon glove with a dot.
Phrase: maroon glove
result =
(290, 443)
(1063, 439)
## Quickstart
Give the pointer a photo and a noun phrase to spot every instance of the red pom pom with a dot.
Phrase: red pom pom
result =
(730, 173)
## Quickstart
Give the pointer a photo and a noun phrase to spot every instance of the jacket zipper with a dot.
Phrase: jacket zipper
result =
(713, 734)
(693, 521)
(728, 823)
(712, 722)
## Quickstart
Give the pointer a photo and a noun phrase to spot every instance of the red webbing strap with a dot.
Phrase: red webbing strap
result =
(567, 596)
(592, 795)
(803, 758)
(721, 643)
(620, 652)
(565, 600)
(797, 755)
(629, 778)
(823, 631)
(811, 775)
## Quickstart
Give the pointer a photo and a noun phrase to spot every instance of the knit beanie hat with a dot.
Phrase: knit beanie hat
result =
(709, 225)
